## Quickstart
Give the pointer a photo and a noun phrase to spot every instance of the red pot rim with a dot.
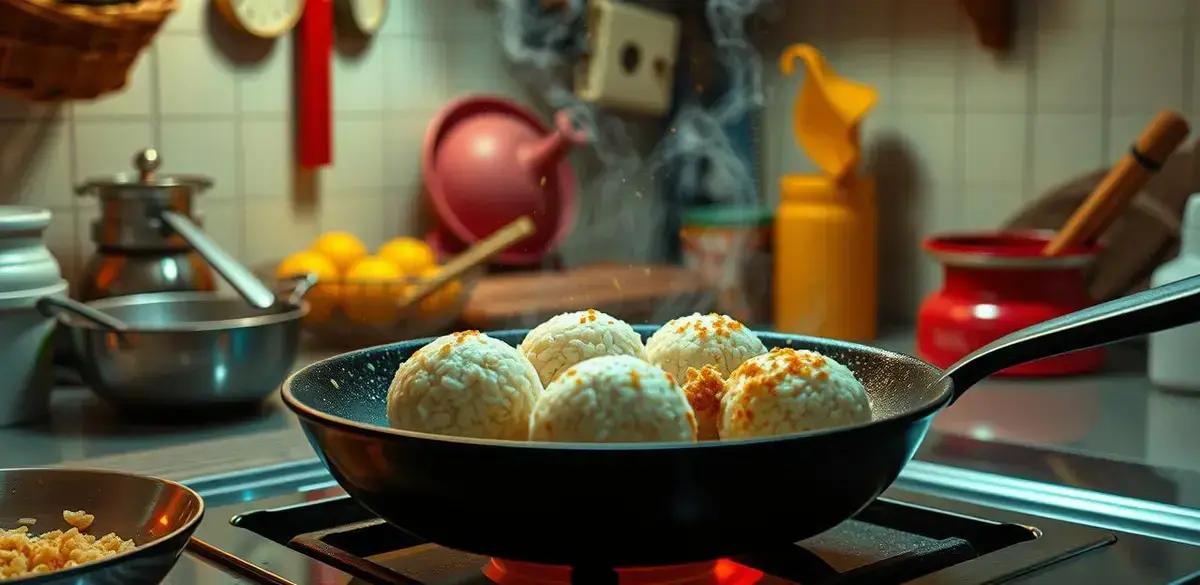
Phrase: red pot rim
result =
(1005, 249)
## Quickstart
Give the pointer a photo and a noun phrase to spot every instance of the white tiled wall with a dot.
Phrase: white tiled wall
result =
(962, 138)
(219, 103)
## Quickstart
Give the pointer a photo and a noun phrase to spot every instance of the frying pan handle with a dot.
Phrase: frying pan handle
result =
(1148, 311)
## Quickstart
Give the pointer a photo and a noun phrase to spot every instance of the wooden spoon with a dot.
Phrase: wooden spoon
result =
(481, 252)
(1158, 140)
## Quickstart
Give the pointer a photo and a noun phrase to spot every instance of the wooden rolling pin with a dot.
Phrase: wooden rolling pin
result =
(1164, 134)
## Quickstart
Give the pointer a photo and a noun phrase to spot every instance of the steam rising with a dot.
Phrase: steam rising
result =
(546, 44)
(698, 140)
(726, 20)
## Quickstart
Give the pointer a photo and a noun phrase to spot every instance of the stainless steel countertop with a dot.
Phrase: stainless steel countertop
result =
(1115, 414)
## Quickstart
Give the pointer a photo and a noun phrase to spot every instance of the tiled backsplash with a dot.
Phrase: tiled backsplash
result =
(219, 102)
(960, 139)
(963, 139)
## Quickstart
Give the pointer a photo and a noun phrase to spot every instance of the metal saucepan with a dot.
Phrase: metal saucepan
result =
(604, 505)
(159, 515)
(180, 349)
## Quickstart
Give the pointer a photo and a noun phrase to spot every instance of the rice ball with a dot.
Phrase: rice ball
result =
(567, 339)
(699, 340)
(791, 391)
(612, 399)
(465, 384)
(704, 389)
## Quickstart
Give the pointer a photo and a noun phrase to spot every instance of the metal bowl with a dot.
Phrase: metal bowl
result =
(159, 515)
(186, 349)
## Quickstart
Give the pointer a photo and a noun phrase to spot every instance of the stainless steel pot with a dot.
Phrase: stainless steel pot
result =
(136, 251)
(184, 349)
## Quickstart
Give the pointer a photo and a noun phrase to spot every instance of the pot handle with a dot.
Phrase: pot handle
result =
(300, 285)
(53, 306)
(1152, 310)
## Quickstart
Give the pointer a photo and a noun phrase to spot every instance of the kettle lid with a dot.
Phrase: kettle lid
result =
(146, 162)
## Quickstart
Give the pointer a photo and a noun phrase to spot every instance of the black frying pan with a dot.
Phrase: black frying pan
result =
(605, 505)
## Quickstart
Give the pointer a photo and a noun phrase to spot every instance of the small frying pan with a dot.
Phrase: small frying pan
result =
(606, 505)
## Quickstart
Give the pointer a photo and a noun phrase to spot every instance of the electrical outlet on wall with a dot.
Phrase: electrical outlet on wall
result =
(631, 60)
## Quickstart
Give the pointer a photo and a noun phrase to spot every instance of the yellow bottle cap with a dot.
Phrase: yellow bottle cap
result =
(828, 111)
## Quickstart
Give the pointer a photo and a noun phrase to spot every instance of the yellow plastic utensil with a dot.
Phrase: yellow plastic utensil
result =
(826, 115)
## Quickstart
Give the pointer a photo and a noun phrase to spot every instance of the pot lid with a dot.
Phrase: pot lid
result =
(25, 262)
(487, 161)
(146, 162)
(21, 218)
(26, 298)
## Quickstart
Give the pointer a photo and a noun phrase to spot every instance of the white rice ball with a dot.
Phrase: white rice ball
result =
(612, 399)
(570, 338)
(699, 340)
(465, 384)
(791, 391)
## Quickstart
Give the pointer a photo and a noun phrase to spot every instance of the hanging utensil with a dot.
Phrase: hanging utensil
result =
(1158, 140)
(314, 53)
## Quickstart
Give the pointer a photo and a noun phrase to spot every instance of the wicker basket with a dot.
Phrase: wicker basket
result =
(52, 50)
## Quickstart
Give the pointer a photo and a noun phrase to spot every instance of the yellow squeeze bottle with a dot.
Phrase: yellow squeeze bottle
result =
(826, 262)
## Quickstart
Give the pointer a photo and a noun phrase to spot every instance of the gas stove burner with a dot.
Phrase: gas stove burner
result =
(888, 542)
(719, 572)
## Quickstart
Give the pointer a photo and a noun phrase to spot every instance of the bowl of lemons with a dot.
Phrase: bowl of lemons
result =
(357, 300)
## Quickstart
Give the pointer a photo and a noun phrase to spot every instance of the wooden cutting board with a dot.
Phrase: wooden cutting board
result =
(634, 293)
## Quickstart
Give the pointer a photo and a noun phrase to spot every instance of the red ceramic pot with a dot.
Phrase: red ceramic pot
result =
(997, 283)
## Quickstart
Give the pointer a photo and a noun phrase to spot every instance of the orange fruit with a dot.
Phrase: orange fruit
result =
(323, 297)
(342, 248)
(410, 255)
(441, 300)
(372, 290)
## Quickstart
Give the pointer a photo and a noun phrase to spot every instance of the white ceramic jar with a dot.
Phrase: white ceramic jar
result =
(1173, 353)
(28, 272)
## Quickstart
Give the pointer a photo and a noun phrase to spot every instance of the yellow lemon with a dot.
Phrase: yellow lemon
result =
(444, 298)
(340, 247)
(410, 255)
(372, 290)
(324, 296)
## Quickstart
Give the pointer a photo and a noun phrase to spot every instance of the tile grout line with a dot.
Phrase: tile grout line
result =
(961, 46)
(1188, 61)
(1031, 77)
(76, 208)
(1188, 76)
(239, 157)
(155, 97)
(1106, 77)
